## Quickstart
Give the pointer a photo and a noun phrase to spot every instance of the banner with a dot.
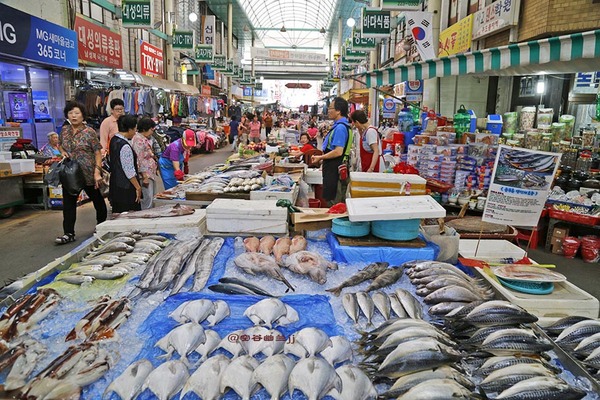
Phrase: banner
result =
(284, 55)
(97, 45)
(40, 106)
(420, 27)
(25, 36)
(400, 5)
(457, 38)
(19, 107)
(520, 185)
(207, 27)
(137, 13)
(152, 60)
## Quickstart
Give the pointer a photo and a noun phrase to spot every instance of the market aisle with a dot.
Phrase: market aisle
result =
(27, 238)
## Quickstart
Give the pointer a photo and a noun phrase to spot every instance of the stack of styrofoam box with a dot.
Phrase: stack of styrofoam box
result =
(246, 217)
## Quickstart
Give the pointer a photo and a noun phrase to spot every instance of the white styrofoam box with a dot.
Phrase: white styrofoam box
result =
(393, 208)
(387, 178)
(271, 149)
(566, 299)
(248, 209)
(490, 249)
(313, 176)
(5, 155)
(194, 223)
(292, 195)
(15, 166)
(26, 165)
(241, 226)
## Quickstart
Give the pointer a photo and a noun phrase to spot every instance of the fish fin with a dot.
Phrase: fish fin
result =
(335, 291)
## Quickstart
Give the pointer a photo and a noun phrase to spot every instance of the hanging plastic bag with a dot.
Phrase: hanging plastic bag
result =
(71, 177)
(303, 189)
(52, 178)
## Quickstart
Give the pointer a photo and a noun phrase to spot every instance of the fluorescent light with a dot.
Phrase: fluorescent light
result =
(541, 87)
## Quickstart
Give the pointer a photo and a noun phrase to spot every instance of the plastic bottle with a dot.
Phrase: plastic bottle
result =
(405, 120)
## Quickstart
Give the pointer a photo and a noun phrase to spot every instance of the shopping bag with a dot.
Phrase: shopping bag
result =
(52, 178)
(71, 177)
(104, 185)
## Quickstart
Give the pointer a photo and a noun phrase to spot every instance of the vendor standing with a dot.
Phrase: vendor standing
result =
(125, 191)
(146, 160)
(371, 159)
(171, 160)
(337, 145)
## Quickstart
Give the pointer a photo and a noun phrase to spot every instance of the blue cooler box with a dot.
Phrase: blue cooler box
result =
(494, 124)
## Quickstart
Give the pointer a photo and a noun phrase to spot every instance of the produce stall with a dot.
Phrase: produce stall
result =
(153, 315)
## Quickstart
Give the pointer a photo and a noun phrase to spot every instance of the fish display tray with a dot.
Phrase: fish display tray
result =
(489, 250)
(195, 223)
(292, 195)
(394, 208)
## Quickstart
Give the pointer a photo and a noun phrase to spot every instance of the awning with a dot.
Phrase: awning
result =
(577, 52)
(165, 84)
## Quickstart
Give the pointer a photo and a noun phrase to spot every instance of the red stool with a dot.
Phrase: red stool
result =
(528, 235)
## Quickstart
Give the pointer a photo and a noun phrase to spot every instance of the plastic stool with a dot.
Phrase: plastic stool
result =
(526, 234)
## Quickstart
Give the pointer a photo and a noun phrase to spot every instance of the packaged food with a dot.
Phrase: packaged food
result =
(569, 121)
(527, 118)
(558, 131)
(533, 140)
(544, 117)
(511, 122)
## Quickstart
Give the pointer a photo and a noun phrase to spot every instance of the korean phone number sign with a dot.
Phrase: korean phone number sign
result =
(495, 17)
(375, 23)
(32, 38)
(137, 13)
(97, 45)
(457, 38)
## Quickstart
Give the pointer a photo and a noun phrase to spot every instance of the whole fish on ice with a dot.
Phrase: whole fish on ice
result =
(273, 375)
(167, 379)
(238, 377)
(369, 272)
(281, 248)
(254, 263)
(129, 384)
(314, 377)
(204, 381)
(183, 339)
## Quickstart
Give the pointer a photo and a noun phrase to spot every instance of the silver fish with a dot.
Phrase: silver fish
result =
(221, 312)
(146, 247)
(382, 303)
(104, 262)
(514, 341)
(313, 340)
(129, 384)
(116, 246)
(83, 280)
(210, 344)
(371, 271)
(445, 307)
(167, 379)
(189, 268)
(204, 264)
(397, 307)
(356, 385)
(504, 378)
(183, 339)
(290, 316)
(314, 377)
(169, 271)
(492, 312)
(557, 327)
(574, 334)
(253, 263)
(593, 359)
(340, 351)
(273, 375)
(232, 344)
(160, 243)
(587, 345)
(203, 380)
(542, 388)
(237, 376)
(351, 306)
(414, 332)
(193, 311)
(498, 362)
(266, 312)
(438, 389)
(452, 293)
(387, 278)
(268, 348)
(409, 303)
(366, 305)
(405, 383)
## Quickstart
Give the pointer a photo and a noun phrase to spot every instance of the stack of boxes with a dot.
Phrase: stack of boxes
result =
(558, 234)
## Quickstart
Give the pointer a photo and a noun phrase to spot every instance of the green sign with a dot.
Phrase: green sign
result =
(401, 5)
(347, 67)
(183, 40)
(375, 23)
(229, 69)
(204, 53)
(236, 72)
(137, 13)
(258, 86)
(219, 63)
(355, 54)
(240, 72)
(248, 82)
(360, 43)
(351, 61)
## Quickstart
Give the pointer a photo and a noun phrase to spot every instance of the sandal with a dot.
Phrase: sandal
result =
(66, 238)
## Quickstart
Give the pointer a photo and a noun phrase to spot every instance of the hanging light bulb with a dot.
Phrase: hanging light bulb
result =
(193, 17)
(351, 22)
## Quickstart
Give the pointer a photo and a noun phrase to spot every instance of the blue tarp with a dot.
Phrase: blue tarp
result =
(392, 255)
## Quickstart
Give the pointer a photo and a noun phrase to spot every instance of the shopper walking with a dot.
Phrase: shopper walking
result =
(80, 142)
(109, 127)
(268, 121)
(125, 191)
(254, 135)
(336, 148)
(171, 161)
(146, 160)
(234, 132)
(371, 159)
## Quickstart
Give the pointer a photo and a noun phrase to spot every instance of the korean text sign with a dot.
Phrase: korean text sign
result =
(152, 60)
(98, 45)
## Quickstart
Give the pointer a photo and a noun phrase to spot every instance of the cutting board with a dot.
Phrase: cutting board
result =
(373, 241)
(314, 215)
(475, 225)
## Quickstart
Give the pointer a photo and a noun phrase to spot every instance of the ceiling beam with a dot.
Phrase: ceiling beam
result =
(288, 29)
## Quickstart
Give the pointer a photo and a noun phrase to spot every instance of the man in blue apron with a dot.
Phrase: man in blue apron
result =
(337, 145)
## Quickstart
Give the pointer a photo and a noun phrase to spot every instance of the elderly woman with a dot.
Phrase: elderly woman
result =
(80, 142)
(171, 160)
(125, 189)
(146, 160)
(51, 149)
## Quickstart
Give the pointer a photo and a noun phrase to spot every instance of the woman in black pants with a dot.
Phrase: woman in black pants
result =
(80, 142)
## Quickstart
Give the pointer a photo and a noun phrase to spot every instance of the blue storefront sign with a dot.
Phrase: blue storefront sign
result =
(25, 36)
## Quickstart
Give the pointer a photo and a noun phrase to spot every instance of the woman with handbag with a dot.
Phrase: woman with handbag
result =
(80, 143)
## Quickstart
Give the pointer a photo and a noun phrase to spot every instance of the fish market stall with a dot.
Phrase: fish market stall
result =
(140, 315)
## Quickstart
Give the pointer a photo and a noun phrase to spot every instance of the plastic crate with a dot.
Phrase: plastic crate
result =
(574, 217)
(555, 203)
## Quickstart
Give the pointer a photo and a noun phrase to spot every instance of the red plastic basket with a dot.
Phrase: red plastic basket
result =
(438, 186)
(576, 218)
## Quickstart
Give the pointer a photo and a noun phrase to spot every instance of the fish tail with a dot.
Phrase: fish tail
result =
(336, 291)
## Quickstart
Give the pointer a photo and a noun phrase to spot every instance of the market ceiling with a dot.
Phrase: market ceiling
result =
(310, 25)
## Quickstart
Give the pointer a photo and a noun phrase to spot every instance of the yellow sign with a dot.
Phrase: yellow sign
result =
(457, 38)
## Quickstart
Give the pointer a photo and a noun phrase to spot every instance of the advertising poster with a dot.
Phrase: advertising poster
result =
(19, 111)
(520, 185)
(41, 113)
(152, 60)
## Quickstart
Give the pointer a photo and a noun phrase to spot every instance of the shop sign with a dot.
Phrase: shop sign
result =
(137, 13)
(229, 70)
(389, 108)
(208, 72)
(207, 27)
(23, 35)
(400, 5)
(97, 45)
(360, 43)
(258, 87)
(9, 133)
(347, 67)
(457, 38)
(355, 54)
(204, 53)
(350, 61)
(495, 17)
(152, 60)
(375, 23)
(219, 63)
(205, 91)
(183, 40)
(247, 92)
(519, 201)
(336, 66)
(284, 55)
(586, 82)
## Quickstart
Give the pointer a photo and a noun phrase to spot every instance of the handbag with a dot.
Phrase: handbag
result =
(104, 186)
(71, 177)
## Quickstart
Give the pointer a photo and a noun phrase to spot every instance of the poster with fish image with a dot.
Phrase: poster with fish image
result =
(521, 181)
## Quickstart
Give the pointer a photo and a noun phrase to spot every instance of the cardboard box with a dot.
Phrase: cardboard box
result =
(557, 248)
(560, 232)
(556, 241)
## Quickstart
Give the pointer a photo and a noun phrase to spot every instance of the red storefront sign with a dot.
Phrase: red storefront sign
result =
(205, 90)
(151, 60)
(97, 45)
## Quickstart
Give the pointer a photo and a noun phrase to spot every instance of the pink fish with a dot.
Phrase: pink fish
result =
(298, 244)
(251, 244)
(282, 247)
(266, 244)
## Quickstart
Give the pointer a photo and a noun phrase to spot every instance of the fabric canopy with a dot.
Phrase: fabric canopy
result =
(577, 52)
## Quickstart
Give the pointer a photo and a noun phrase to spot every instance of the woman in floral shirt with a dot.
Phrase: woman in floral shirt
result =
(146, 159)
(80, 142)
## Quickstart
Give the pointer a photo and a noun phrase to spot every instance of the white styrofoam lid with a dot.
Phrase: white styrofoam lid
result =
(393, 208)
(386, 178)
(245, 207)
